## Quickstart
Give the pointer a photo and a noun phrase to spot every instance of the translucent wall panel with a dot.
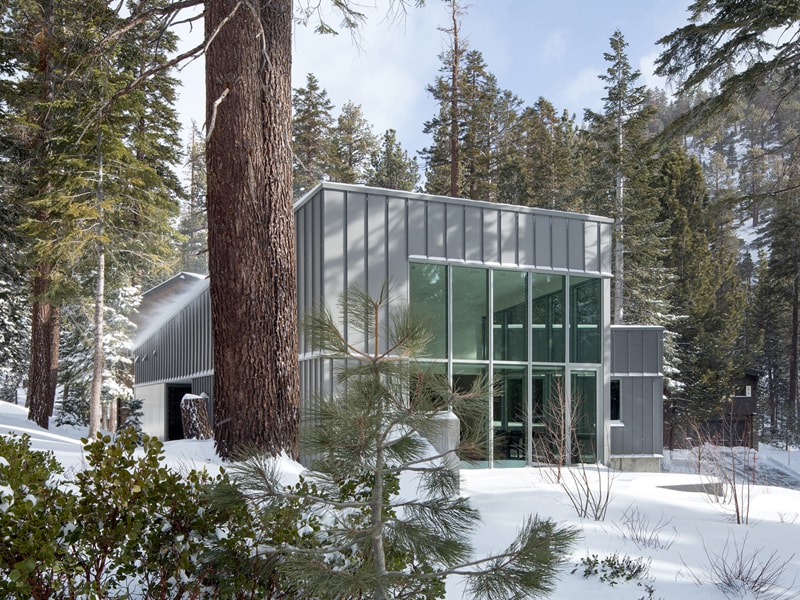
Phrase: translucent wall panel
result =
(428, 296)
(547, 327)
(470, 313)
(510, 326)
(585, 319)
(547, 390)
(510, 415)
(584, 409)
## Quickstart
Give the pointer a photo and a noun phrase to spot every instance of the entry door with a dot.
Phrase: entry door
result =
(175, 393)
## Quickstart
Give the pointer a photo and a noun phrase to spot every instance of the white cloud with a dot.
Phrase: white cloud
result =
(554, 48)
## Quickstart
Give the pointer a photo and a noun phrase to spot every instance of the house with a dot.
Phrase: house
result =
(516, 294)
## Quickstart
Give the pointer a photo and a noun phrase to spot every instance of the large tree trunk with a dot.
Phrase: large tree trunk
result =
(46, 317)
(251, 226)
(43, 368)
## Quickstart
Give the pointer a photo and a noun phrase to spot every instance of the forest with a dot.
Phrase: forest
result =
(101, 199)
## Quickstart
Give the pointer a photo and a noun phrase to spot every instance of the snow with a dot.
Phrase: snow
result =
(697, 533)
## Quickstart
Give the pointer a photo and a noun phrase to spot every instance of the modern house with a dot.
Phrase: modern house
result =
(515, 294)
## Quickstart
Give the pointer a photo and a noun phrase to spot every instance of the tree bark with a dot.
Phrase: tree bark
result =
(194, 417)
(46, 317)
(251, 225)
(43, 368)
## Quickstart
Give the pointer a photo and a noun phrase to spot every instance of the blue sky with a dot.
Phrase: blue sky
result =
(535, 48)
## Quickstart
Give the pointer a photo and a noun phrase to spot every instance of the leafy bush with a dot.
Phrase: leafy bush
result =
(124, 527)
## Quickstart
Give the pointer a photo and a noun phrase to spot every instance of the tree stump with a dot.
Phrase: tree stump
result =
(194, 415)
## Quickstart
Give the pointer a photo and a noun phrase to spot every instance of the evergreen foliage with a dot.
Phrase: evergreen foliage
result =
(312, 127)
(381, 504)
(391, 167)
(354, 144)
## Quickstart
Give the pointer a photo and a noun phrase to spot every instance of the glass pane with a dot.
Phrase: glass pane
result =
(510, 416)
(584, 409)
(548, 439)
(428, 302)
(510, 290)
(585, 319)
(475, 422)
(547, 328)
(470, 313)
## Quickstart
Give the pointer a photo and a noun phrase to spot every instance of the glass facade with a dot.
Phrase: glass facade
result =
(524, 331)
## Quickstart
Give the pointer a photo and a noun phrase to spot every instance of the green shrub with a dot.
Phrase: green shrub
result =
(35, 516)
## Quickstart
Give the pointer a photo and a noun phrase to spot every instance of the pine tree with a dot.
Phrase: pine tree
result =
(194, 221)
(391, 167)
(544, 165)
(373, 539)
(619, 133)
(706, 294)
(353, 143)
(312, 127)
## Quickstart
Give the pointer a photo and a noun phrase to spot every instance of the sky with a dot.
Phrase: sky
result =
(696, 531)
(535, 48)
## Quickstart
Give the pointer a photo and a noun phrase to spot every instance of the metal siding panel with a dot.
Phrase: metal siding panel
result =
(334, 270)
(527, 256)
(575, 249)
(377, 268)
(647, 416)
(509, 238)
(417, 235)
(356, 252)
(559, 242)
(605, 247)
(473, 234)
(455, 232)
(491, 235)
(543, 246)
(619, 352)
(650, 351)
(635, 350)
(396, 248)
(657, 394)
(591, 244)
(435, 225)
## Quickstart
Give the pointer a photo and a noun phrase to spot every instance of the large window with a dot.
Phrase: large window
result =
(547, 327)
(515, 327)
(585, 330)
(470, 313)
(510, 296)
(428, 300)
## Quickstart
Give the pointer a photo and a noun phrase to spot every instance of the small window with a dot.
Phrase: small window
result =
(615, 403)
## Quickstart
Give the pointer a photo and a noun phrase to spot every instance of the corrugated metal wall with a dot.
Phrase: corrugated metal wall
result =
(180, 347)
(636, 360)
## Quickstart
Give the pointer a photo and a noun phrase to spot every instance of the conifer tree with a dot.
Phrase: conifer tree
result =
(373, 538)
(619, 132)
(353, 143)
(194, 220)
(391, 167)
(312, 126)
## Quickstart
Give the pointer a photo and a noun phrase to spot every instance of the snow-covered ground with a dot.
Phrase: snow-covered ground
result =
(697, 534)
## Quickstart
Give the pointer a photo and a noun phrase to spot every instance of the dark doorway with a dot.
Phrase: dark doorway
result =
(175, 393)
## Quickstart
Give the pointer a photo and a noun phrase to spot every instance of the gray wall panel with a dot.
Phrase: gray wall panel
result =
(356, 250)
(473, 233)
(559, 242)
(455, 232)
(333, 249)
(397, 249)
(542, 244)
(377, 267)
(509, 238)
(437, 218)
(605, 247)
(491, 235)
(591, 237)
(576, 233)
(527, 239)
(417, 232)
